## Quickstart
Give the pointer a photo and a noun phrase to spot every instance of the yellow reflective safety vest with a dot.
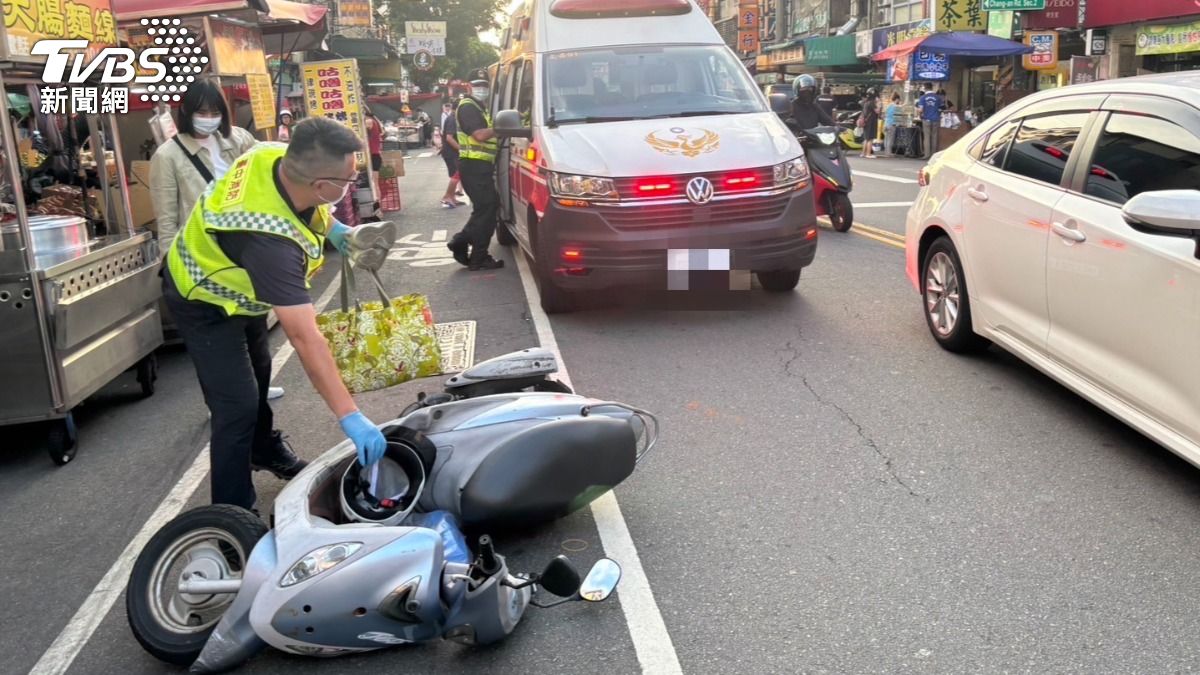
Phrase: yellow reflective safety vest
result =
(245, 199)
(469, 148)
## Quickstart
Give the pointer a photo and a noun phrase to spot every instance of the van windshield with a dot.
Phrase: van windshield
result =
(646, 82)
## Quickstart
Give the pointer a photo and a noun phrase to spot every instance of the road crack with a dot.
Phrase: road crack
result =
(791, 346)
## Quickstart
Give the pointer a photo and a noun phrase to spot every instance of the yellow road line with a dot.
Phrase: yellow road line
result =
(881, 236)
(883, 240)
(879, 232)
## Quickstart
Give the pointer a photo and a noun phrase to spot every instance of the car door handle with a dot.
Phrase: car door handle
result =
(1068, 233)
(977, 195)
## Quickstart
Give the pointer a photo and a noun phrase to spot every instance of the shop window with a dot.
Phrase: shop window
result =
(1043, 145)
(1136, 153)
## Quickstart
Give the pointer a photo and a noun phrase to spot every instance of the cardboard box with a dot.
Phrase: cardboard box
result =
(140, 205)
(393, 164)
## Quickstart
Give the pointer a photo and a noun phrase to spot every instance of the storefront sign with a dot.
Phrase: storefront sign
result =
(1057, 14)
(1019, 5)
(1095, 42)
(331, 89)
(747, 17)
(959, 15)
(27, 21)
(353, 13)
(1114, 13)
(234, 49)
(830, 51)
(425, 29)
(930, 65)
(1176, 39)
(1085, 69)
(262, 100)
(435, 46)
(787, 56)
(1000, 24)
(862, 44)
(748, 41)
(883, 38)
(1045, 51)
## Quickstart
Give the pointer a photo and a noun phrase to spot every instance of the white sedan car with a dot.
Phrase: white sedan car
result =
(1065, 229)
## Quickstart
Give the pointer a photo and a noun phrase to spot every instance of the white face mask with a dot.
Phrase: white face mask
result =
(479, 94)
(206, 125)
(340, 197)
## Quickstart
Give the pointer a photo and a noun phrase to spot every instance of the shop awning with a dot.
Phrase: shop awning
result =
(830, 51)
(133, 10)
(367, 49)
(955, 44)
(293, 27)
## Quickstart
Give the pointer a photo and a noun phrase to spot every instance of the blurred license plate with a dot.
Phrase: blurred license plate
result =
(697, 259)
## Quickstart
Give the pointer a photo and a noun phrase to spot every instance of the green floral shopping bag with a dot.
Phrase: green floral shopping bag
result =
(380, 344)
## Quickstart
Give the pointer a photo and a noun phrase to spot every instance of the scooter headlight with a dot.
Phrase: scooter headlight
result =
(318, 561)
(791, 172)
(582, 187)
(826, 138)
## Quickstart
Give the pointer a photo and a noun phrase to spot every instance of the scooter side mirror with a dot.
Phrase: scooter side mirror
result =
(601, 581)
(560, 577)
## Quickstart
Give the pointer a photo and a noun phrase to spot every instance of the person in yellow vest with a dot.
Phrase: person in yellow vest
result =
(252, 243)
(476, 169)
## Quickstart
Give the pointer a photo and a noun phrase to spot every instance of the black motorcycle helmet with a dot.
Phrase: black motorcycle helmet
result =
(805, 88)
(383, 493)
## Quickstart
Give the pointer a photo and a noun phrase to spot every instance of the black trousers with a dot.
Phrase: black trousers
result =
(480, 185)
(232, 356)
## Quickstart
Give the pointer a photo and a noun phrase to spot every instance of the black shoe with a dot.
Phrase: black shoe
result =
(459, 248)
(488, 263)
(282, 462)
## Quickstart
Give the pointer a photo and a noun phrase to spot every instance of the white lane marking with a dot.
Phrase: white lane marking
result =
(880, 205)
(438, 235)
(61, 654)
(883, 176)
(651, 641)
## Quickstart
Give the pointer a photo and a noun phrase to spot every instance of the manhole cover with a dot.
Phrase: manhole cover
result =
(457, 341)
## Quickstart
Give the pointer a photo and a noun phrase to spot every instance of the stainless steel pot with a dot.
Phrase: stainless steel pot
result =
(49, 233)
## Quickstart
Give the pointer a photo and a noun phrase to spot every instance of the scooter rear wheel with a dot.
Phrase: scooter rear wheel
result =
(211, 542)
(840, 210)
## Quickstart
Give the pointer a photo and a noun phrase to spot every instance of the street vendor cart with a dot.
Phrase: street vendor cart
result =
(79, 288)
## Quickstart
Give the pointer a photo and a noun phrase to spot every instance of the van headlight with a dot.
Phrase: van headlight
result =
(581, 187)
(318, 561)
(791, 172)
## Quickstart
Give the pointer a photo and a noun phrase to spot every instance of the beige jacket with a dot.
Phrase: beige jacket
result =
(176, 185)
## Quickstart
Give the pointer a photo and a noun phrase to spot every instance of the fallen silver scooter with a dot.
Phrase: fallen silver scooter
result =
(366, 558)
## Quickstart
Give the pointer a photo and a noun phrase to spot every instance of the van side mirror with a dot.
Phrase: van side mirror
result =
(508, 124)
(1175, 210)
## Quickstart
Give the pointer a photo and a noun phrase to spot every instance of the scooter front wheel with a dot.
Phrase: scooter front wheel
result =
(840, 210)
(210, 543)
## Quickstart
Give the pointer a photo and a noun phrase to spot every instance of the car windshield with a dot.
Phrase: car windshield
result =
(647, 82)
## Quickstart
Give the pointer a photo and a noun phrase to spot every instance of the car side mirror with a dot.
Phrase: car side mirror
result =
(508, 124)
(1175, 210)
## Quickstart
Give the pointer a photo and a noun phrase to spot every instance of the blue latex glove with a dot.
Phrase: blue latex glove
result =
(338, 233)
(366, 436)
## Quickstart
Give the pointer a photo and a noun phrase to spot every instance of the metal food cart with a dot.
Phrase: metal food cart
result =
(78, 295)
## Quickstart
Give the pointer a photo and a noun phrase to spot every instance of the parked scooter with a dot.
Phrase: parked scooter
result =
(365, 558)
(832, 180)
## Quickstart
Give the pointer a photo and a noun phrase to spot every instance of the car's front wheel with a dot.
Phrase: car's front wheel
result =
(947, 306)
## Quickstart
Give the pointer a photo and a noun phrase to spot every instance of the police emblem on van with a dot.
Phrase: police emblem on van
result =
(686, 142)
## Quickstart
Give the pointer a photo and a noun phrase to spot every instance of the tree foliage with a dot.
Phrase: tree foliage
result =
(465, 20)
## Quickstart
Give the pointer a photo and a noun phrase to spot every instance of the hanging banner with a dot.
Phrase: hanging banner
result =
(331, 89)
(353, 13)
(959, 15)
(1045, 51)
(930, 65)
(435, 46)
(747, 17)
(262, 100)
(234, 49)
(748, 41)
(425, 29)
(1057, 14)
(1175, 39)
(1000, 24)
(27, 21)
(898, 69)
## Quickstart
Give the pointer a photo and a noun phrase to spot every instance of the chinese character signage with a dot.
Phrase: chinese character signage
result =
(435, 46)
(331, 89)
(234, 49)
(1045, 51)
(748, 41)
(27, 21)
(262, 100)
(353, 13)
(747, 17)
(1176, 39)
(930, 65)
(1058, 14)
(1018, 5)
(959, 15)
(892, 35)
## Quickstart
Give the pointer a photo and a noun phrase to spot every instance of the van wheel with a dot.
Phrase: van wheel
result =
(554, 300)
(779, 281)
(504, 235)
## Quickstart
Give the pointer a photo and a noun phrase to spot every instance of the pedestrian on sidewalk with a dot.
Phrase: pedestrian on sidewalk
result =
(889, 126)
(375, 148)
(449, 151)
(930, 105)
(476, 168)
(870, 112)
(251, 245)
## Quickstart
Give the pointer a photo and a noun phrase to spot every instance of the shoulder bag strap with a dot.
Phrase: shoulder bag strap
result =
(204, 172)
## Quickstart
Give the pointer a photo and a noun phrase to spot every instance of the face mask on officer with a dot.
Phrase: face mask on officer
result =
(321, 194)
(479, 93)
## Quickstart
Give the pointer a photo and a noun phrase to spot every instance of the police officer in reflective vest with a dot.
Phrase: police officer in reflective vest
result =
(476, 168)
(252, 243)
